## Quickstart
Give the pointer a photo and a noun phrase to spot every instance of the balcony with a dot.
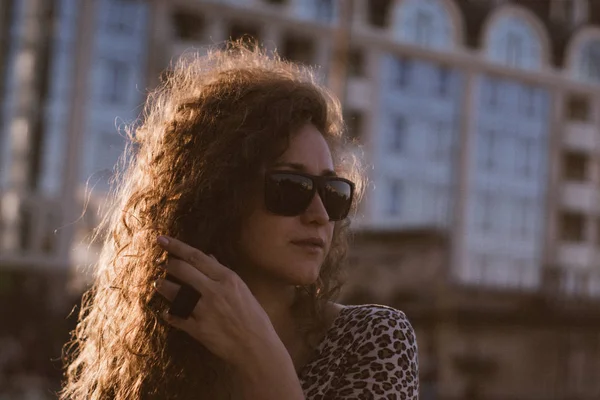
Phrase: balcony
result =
(500, 276)
(581, 136)
(359, 94)
(37, 231)
(572, 282)
(575, 254)
(579, 196)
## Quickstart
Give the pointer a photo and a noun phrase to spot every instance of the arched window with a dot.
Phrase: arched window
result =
(587, 62)
(425, 23)
(513, 42)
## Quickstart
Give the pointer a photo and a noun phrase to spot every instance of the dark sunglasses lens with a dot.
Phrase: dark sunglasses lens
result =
(337, 199)
(287, 194)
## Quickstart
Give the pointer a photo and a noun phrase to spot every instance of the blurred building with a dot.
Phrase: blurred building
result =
(477, 342)
(71, 73)
(73, 77)
(479, 117)
(480, 120)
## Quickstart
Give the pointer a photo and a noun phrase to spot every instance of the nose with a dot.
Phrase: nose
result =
(316, 212)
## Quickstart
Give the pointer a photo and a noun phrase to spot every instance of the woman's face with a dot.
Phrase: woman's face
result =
(269, 242)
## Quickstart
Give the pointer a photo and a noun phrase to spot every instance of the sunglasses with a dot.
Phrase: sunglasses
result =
(290, 193)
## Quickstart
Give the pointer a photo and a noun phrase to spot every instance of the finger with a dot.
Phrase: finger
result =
(166, 288)
(185, 273)
(196, 258)
(185, 325)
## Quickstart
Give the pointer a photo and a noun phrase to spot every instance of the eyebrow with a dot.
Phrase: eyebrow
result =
(302, 168)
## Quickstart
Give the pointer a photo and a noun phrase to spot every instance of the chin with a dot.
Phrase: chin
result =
(305, 273)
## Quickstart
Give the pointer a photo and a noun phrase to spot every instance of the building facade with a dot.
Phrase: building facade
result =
(477, 342)
(478, 118)
(73, 78)
(71, 75)
(466, 114)
(487, 128)
(117, 85)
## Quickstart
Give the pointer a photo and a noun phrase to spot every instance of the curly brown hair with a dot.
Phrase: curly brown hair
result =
(206, 132)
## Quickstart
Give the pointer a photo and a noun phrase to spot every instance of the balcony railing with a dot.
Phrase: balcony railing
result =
(557, 282)
(572, 282)
(582, 196)
(581, 136)
(38, 231)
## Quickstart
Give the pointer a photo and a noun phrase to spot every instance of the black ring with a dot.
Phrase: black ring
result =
(184, 302)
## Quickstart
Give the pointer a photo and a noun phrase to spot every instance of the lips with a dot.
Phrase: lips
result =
(310, 242)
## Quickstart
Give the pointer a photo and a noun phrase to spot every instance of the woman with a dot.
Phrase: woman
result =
(224, 249)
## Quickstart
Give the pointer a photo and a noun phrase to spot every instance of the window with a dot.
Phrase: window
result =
(122, 16)
(423, 23)
(441, 195)
(528, 100)
(485, 265)
(396, 195)
(316, 10)
(486, 201)
(424, 28)
(590, 62)
(249, 33)
(513, 41)
(524, 212)
(578, 108)
(492, 92)
(299, 49)
(575, 165)
(188, 26)
(526, 159)
(514, 49)
(402, 71)
(113, 143)
(443, 86)
(324, 10)
(572, 226)
(108, 147)
(117, 81)
(398, 143)
(489, 142)
(486, 220)
(356, 63)
(378, 10)
(354, 124)
(442, 141)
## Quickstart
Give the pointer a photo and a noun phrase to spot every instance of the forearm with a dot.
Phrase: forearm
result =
(271, 377)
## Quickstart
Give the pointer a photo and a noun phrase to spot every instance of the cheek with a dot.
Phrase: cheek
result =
(262, 233)
(331, 230)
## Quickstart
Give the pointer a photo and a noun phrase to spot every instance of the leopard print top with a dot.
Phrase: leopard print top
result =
(370, 352)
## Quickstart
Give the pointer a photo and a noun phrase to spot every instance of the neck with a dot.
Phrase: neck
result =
(276, 298)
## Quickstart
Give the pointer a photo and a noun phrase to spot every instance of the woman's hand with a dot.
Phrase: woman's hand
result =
(227, 320)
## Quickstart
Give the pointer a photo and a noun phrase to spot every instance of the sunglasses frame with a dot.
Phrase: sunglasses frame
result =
(318, 184)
